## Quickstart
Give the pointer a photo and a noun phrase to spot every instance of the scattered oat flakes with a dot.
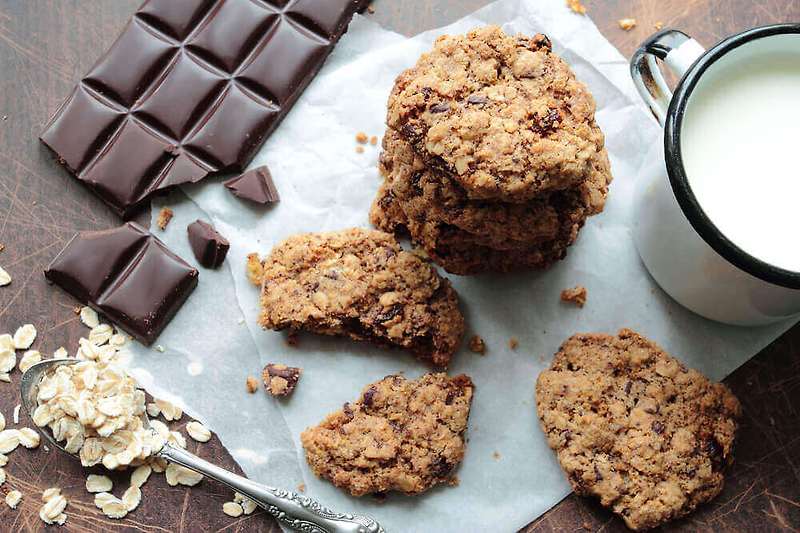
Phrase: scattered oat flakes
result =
(164, 216)
(359, 149)
(361, 138)
(255, 269)
(513, 343)
(373, 140)
(112, 506)
(24, 337)
(89, 317)
(659, 25)
(177, 474)
(100, 334)
(2, 423)
(177, 439)
(198, 431)
(95, 483)
(2, 476)
(15, 414)
(8, 360)
(6, 343)
(252, 384)
(118, 340)
(477, 345)
(52, 512)
(576, 6)
(169, 410)
(247, 504)
(103, 498)
(152, 410)
(159, 348)
(29, 438)
(13, 498)
(5, 277)
(576, 295)
(232, 509)
(5, 377)
(9, 440)
(370, 10)
(61, 353)
(132, 497)
(29, 358)
(627, 24)
(140, 475)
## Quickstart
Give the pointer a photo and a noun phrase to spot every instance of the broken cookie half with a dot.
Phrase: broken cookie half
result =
(400, 435)
(360, 284)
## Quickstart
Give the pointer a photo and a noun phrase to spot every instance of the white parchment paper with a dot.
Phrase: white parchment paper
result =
(214, 343)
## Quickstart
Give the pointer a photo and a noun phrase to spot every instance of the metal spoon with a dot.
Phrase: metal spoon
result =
(293, 510)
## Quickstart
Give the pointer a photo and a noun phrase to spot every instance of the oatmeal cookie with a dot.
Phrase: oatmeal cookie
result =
(463, 253)
(359, 283)
(434, 196)
(402, 435)
(635, 428)
(504, 115)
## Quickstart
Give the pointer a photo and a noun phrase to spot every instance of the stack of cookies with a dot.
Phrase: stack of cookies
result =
(492, 159)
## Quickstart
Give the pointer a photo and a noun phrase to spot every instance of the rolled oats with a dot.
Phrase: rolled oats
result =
(198, 431)
(140, 475)
(95, 483)
(169, 410)
(24, 337)
(61, 353)
(153, 410)
(3, 460)
(89, 317)
(100, 334)
(8, 360)
(9, 440)
(5, 277)
(232, 509)
(2, 422)
(29, 358)
(102, 498)
(2, 476)
(6, 342)
(5, 377)
(52, 512)
(247, 504)
(114, 508)
(176, 439)
(50, 493)
(179, 475)
(131, 498)
(13, 498)
(16, 413)
(29, 438)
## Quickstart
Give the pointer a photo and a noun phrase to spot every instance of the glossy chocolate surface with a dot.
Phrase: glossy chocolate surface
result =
(127, 274)
(255, 185)
(190, 88)
(209, 247)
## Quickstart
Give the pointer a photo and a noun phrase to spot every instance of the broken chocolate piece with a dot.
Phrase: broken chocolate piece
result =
(127, 274)
(280, 380)
(209, 247)
(255, 185)
(188, 89)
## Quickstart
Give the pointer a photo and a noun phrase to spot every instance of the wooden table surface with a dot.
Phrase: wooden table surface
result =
(45, 47)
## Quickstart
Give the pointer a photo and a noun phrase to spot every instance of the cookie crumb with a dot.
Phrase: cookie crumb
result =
(496, 456)
(477, 345)
(513, 343)
(3, 246)
(292, 339)
(359, 149)
(252, 384)
(279, 379)
(658, 25)
(255, 269)
(576, 6)
(361, 137)
(576, 295)
(301, 487)
(370, 10)
(627, 24)
(372, 140)
(454, 481)
(164, 216)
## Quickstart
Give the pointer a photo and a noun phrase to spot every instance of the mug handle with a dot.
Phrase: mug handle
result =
(678, 51)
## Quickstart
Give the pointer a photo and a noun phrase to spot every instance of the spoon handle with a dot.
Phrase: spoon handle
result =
(292, 510)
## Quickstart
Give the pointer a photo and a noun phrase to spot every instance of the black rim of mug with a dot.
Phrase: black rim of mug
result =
(677, 174)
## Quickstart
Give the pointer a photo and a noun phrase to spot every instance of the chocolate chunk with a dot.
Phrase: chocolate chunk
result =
(477, 99)
(280, 380)
(369, 395)
(127, 274)
(209, 247)
(188, 89)
(441, 107)
(255, 185)
(440, 468)
(658, 427)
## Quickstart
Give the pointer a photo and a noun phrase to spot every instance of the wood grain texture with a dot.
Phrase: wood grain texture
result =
(45, 47)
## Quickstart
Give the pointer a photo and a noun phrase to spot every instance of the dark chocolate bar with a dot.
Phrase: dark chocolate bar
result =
(208, 246)
(190, 88)
(255, 185)
(127, 274)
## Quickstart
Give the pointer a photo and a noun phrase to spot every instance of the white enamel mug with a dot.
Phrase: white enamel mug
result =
(685, 252)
